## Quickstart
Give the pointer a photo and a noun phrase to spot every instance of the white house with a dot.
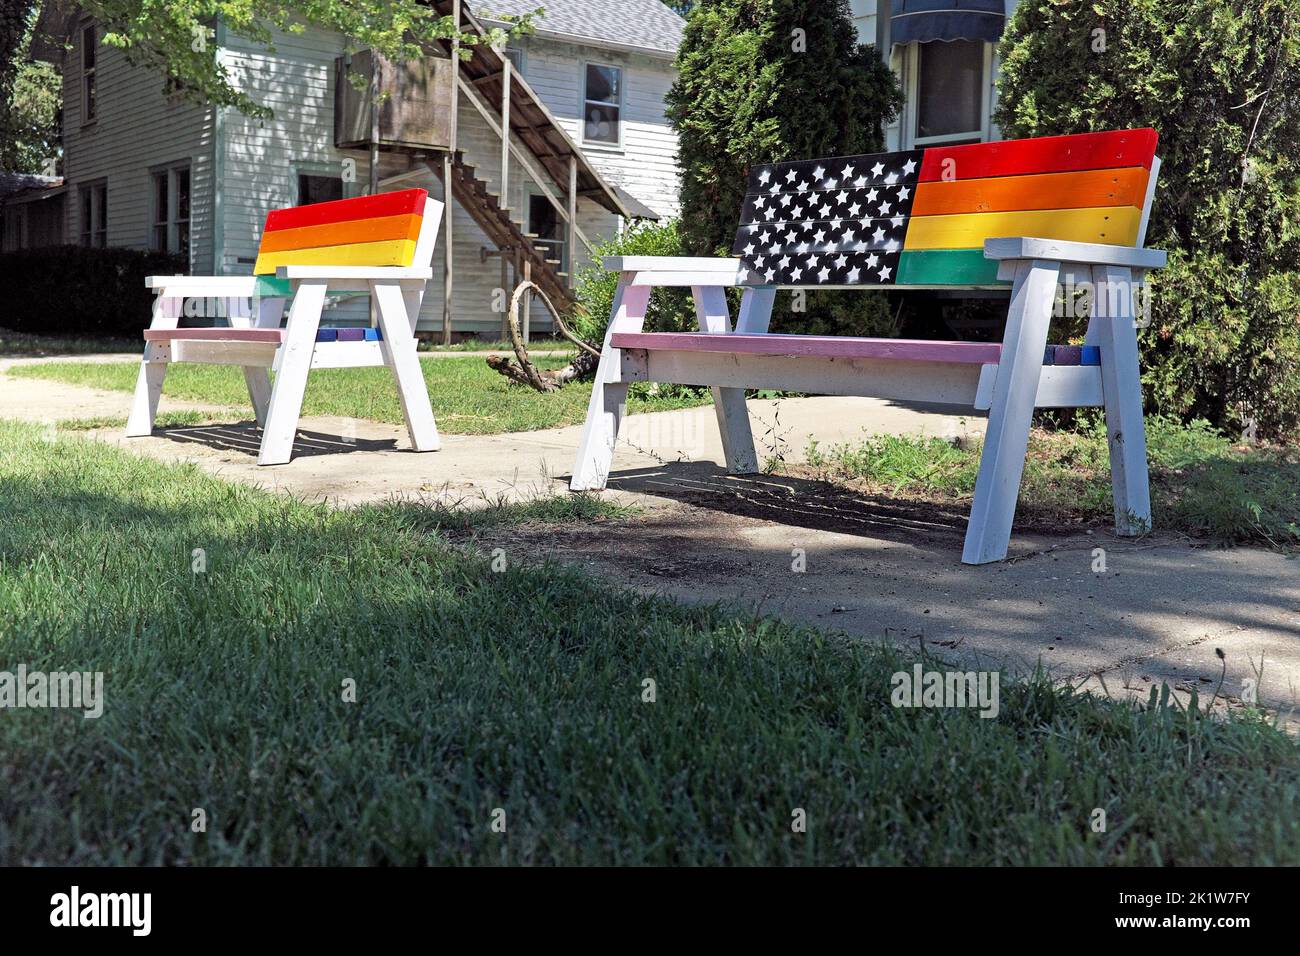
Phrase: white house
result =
(586, 91)
(943, 52)
(586, 94)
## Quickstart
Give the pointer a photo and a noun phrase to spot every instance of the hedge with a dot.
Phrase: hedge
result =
(81, 291)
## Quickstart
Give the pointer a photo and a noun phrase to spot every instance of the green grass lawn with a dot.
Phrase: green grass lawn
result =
(468, 397)
(1202, 484)
(523, 690)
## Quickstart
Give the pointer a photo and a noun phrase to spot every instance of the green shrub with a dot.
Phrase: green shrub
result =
(761, 81)
(1221, 84)
(670, 310)
(80, 291)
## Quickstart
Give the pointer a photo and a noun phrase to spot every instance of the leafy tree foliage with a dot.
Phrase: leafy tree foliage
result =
(1220, 81)
(762, 81)
(30, 94)
(177, 36)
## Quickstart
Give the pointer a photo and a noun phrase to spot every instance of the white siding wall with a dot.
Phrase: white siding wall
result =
(136, 129)
(646, 162)
(256, 163)
(259, 161)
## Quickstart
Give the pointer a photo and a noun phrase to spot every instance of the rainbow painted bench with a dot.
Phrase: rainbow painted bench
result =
(1023, 215)
(381, 244)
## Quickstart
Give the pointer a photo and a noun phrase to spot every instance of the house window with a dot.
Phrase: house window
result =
(951, 92)
(314, 189)
(516, 57)
(544, 223)
(602, 104)
(94, 215)
(89, 41)
(171, 210)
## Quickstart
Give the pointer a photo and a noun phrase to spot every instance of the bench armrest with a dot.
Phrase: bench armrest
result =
(676, 270)
(354, 272)
(197, 286)
(1084, 253)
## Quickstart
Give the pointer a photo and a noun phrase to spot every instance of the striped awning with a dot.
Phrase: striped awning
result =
(923, 21)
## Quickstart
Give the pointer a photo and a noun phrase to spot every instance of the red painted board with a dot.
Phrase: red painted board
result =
(403, 203)
(1046, 154)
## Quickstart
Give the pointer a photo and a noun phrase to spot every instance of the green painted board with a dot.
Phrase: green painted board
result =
(955, 267)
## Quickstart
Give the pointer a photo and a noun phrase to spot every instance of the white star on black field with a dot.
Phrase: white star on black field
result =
(827, 221)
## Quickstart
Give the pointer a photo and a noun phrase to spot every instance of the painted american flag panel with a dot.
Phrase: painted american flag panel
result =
(920, 217)
(836, 221)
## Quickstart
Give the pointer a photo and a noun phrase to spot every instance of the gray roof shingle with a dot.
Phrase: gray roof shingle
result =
(648, 24)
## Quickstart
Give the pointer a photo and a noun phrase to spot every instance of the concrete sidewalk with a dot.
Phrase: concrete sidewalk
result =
(873, 568)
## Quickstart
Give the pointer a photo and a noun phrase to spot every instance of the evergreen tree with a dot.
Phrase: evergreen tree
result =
(762, 81)
(1220, 82)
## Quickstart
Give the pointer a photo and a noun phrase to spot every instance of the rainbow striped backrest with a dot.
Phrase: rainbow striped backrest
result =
(379, 230)
(920, 217)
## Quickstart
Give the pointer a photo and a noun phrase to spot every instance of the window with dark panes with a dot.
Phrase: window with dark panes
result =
(314, 189)
(101, 220)
(602, 104)
(183, 210)
(171, 210)
(544, 223)
(92, 225)
(950, 90)
(160, 209)
(89, 40)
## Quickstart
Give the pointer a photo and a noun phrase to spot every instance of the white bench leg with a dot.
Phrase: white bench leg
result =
(400, 354)
(1122, 391)
(728, 403)
(153, 369)
(258, 379)
(608, 398)
(291, 376)
(1003, 462)
(148, 389)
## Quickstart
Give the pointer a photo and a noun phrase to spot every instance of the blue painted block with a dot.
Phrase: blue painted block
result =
(1049, 355)
(372, 335)
(1090, 355)
(327, 335)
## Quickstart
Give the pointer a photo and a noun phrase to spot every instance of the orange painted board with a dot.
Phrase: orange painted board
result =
(1113, 149)
(397, 252)
(343, 233)
(1110, 225)
(1077, 190)
(404, 203)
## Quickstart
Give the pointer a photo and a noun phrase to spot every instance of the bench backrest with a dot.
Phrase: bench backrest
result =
(387, 229)
(919, 218)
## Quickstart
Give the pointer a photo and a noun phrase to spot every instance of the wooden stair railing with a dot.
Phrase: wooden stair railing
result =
(486, 211)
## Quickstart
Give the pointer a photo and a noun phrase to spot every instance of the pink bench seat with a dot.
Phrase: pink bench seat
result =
(275, 336)
(827, 346)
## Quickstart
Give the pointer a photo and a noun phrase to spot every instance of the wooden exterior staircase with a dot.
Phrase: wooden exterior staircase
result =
(505, 232)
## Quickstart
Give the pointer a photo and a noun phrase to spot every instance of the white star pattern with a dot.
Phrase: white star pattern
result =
(832, 222)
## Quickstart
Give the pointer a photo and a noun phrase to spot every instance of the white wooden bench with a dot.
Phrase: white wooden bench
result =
(380, 244)
(1023, 215)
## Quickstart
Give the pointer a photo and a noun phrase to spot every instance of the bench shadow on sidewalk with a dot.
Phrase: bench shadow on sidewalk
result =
(246, 437)
(803, 503)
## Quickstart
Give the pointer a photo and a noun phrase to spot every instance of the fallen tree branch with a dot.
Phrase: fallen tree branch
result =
(522, 370)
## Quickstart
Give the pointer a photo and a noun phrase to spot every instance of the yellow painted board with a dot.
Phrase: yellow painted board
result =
(1112, 225)
(396, 252)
